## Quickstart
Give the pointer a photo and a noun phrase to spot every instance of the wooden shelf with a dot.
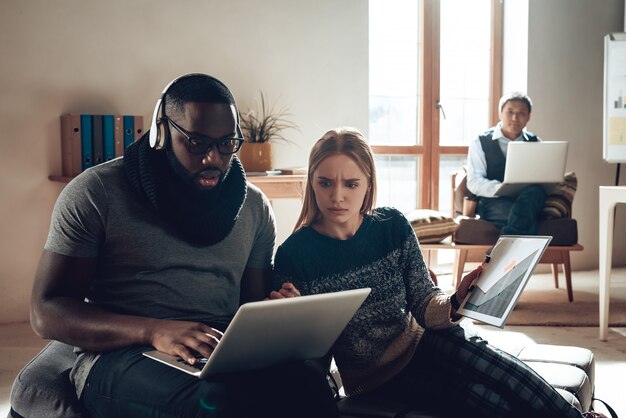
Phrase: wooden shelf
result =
(280, 187)
(289, 186)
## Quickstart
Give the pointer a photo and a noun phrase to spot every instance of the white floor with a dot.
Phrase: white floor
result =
(20, 344)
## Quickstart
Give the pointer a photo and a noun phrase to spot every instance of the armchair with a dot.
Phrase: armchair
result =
(474, 236)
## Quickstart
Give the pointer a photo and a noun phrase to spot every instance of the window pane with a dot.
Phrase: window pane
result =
(397, 184)
(393, 72)
(447, 165)
(392, 120)
(465, 70)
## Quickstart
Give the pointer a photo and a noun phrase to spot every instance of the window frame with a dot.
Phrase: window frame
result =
(428, 149)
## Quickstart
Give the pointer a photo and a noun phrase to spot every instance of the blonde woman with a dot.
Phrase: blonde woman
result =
(405, 340)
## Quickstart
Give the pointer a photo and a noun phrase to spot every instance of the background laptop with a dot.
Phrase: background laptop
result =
(269, 332)
(533, 163)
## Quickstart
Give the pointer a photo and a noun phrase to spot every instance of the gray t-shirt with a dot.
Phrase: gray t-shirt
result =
(144, 268)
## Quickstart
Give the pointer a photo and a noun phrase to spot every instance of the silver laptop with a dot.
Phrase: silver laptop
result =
(533, 163)
(270, 332)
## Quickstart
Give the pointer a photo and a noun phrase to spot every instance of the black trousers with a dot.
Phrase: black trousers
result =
(517, 215)
(124, 383)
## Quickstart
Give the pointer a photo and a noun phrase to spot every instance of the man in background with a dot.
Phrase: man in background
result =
(515, 215)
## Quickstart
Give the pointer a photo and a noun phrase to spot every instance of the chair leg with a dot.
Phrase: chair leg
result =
(568, 275)
(555, 274)
(426, 254)
(433, 277)
(459, 266)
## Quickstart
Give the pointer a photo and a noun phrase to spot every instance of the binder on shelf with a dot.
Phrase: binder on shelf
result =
(138, 127)
(108, 136)
(71, 153)
(97, 139)
(118, 135)
(86, 141)
(129, 130)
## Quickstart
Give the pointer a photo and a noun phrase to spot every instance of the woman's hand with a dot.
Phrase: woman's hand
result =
(288, 290)
(463, 288)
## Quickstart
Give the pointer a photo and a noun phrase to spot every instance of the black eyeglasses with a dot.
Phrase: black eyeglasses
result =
(199, 145)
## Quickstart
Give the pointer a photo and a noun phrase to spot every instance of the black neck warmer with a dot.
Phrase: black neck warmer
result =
(201, 217)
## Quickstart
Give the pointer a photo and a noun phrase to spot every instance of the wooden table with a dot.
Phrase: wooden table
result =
(610, 196)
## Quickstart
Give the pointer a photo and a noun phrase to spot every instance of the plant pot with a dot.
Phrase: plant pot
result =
(256, 156)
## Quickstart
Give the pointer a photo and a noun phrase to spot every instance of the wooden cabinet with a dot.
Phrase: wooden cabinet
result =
(280, 187)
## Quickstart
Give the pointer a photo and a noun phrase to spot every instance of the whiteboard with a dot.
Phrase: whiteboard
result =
(614, 144)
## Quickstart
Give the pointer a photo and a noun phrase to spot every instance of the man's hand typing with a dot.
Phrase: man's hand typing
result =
(188, 340)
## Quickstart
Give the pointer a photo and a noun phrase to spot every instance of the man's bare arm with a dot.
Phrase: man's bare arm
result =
(255, 285)
(59, 311)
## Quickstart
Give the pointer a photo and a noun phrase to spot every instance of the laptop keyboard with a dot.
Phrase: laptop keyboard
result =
(201, 361)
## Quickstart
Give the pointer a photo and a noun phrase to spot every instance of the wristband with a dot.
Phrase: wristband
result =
(454, 302)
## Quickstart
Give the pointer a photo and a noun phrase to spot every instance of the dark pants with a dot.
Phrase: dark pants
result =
(124, 383)
(518, 215)
(457, 374)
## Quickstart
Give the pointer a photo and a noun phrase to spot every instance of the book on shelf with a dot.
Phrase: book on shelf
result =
(138, 127)
(97, 139)
(129, 130)
(71, 151)
(86, 142)
(118, 135)
(108, 137)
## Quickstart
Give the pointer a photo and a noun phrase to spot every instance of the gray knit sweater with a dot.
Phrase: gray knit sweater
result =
(384, 254)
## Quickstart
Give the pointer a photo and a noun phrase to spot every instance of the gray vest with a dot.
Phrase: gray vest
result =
(495, 159)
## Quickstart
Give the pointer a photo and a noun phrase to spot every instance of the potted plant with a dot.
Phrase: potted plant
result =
(260, 127)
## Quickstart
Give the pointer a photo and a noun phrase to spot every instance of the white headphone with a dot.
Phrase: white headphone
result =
(158, 134)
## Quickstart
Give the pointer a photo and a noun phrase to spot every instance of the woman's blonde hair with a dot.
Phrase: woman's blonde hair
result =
(342, 141)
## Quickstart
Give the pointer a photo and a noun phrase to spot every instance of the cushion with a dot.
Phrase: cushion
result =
(476, 231)
(566, 377)
(431, 226)
(43, 387)
(558, 203)
(576, 356)
(564, 231)
(569, 369)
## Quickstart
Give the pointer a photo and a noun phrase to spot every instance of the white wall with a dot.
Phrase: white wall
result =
(115, 56)
(565, 81)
